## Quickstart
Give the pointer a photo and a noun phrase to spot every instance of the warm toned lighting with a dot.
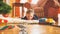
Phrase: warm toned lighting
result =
(34, 1)
(23, 1)
(59, 19)
(29, 1)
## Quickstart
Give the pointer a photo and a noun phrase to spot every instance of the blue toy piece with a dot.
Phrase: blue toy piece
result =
(42, 20)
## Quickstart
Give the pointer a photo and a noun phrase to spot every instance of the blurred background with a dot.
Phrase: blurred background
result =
(42, 8)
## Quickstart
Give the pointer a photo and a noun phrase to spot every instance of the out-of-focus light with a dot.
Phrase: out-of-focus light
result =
(23, 1)
(34, 1)
(58, 19)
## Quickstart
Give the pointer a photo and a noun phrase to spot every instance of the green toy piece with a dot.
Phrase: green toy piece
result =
(5, 27)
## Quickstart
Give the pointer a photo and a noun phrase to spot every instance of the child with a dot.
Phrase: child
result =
(30, 15)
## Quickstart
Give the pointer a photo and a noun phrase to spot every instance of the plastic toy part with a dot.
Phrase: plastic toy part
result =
(47, 21)
(42, 20)
(3, 22)
(6, 27)
(0, 20)
(3, 28)
(10, 27)
(50, 20)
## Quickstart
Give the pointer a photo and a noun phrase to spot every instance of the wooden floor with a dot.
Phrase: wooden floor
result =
(34, 29)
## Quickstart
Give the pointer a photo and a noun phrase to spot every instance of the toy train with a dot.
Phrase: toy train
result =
(5, 21)
(18, 20)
